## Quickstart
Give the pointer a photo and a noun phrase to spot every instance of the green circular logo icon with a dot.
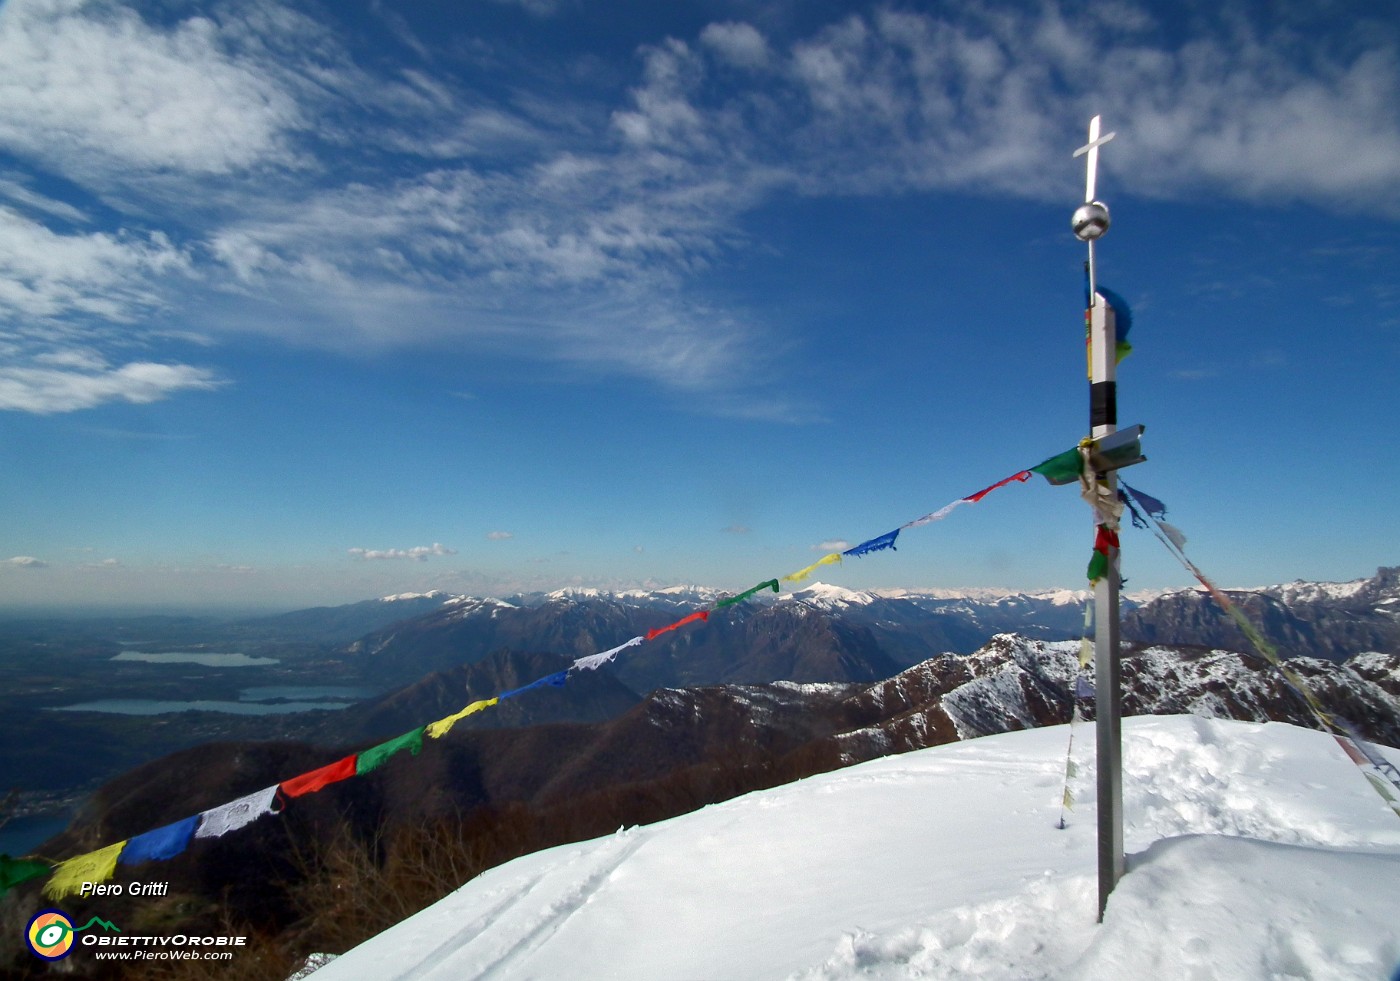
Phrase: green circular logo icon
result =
(50, 935)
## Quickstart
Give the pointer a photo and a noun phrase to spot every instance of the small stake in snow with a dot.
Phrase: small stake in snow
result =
(1090, 222)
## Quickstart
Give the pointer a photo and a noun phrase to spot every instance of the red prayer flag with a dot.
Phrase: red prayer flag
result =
(1023, 476)
(1105, 539)
(309, 783)
(698, 615)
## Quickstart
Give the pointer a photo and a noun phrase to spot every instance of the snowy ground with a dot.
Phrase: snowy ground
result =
(1255, 851)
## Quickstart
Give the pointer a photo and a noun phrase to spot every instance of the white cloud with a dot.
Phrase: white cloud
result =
(832, 545)
(110, 276)
(68, 388)
(992, 101)
(92, 85)
(418, 553)
(737, 43)
(499, 536)
(26, 562)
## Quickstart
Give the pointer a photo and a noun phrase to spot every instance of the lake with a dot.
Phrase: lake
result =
(151, 706)
(208, 659)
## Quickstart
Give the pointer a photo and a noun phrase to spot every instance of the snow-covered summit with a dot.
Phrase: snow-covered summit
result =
(405, 597)
(1255, 851)
(827, 596)
(1300, 591)
(666, 595)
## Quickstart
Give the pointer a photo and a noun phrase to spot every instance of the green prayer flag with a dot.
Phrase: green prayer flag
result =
(770, 584)
(13, 871)
(373, 758)
(1063, 468)
(1098, 567)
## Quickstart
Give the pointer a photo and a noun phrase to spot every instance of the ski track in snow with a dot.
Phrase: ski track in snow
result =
(575, 892)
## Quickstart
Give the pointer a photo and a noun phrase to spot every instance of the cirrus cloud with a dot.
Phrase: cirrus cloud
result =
(576, 225)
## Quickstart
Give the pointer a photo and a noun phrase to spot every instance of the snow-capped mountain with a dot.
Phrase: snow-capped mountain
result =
(1331, 620)
(1256, 851)
(820, 632)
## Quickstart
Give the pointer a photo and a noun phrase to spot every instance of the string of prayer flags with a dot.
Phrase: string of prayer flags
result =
(320, 778)
(13, 871)
(160, 844)
(219, 821)
(875, 544)
(1147, 502)
(802, 574)
(1386, 782)
(1071, 771)
(1021, 477)
(595, 661)
(658, 631)
(442, 727)
(557, 680)
(1379, 771)
(1104, 540)
(947, 509)
(1062, 468)
(68, 877)
(172, 839)
(374, 757)
(1155, 509)
(1086, 643)
(730, 601)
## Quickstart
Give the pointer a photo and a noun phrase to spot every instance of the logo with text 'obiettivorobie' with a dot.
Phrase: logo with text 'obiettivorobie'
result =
(50, 933)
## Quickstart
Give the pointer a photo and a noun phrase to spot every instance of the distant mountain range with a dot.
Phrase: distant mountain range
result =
(827, 633)
(1329, 620)
(819, 633)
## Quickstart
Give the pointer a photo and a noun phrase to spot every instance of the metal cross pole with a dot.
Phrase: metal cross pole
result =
(1090, 222)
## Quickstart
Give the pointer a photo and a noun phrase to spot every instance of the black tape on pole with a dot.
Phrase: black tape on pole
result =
(1103, 404)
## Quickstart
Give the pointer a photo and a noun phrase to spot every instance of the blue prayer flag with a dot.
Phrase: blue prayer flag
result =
(875, 544)
(557, 680)
(160, 844)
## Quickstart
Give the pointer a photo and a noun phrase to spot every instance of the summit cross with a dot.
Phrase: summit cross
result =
(1092, 149)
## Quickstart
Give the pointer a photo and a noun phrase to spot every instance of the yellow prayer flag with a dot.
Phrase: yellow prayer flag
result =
(96, 866)
(801, 574)
(442, 727)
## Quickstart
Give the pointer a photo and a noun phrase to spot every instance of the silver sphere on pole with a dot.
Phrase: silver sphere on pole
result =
(1090, 221)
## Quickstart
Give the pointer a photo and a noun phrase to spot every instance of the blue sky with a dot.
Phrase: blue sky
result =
(306, 303)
